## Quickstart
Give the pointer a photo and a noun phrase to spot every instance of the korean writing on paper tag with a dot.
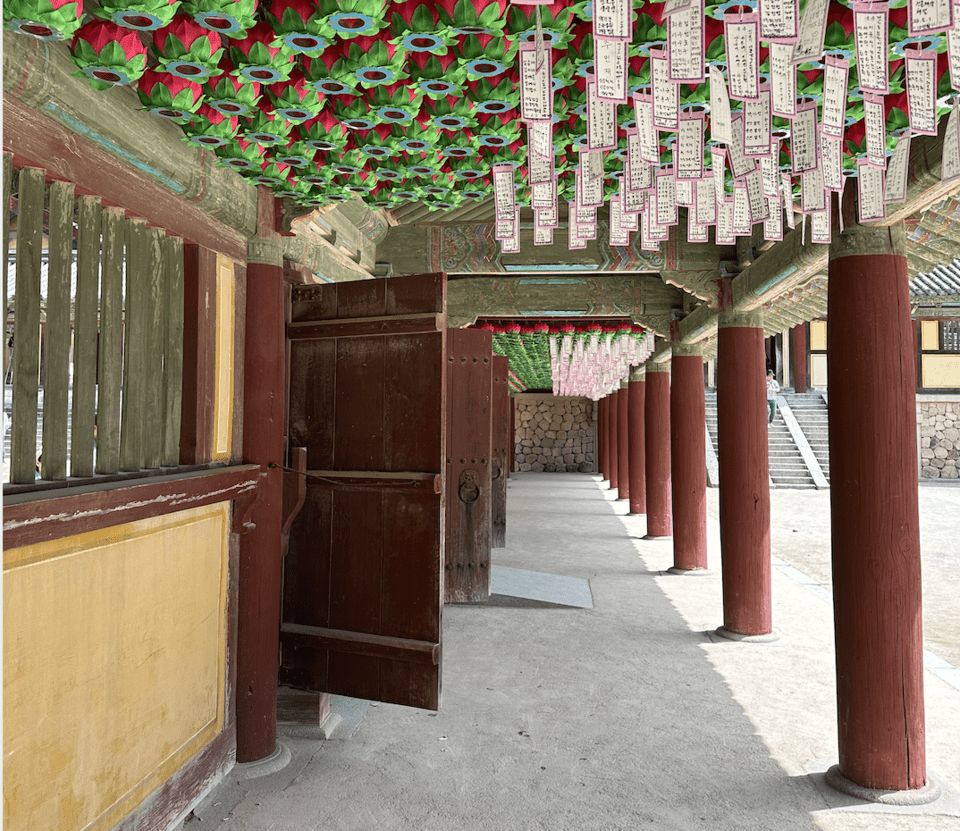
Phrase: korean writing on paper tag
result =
(685, 39)
(898, 165)
(813, 27)
(927, 17)
(536, 86)
(783, 80)
(705, 201)
(611, 19)
(835, 76)
(610, 69)
(601, 120)
(690, 146)
(870, 192)
(666, 197)
(742, 37)
(872, 32)
(803, 137)
(720, 127)
(757, 124)
(666, 94)
(876, 132)
(779, 21)
(921, 72)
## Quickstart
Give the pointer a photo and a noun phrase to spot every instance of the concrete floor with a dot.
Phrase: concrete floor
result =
(627, 715)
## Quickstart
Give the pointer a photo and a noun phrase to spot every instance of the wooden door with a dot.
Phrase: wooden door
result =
(501, 450)
(362, 594)
(470, 379)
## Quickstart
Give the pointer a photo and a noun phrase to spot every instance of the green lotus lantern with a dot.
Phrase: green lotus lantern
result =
(330, 72)
(473, 17)
(359, 183)
(208, 128)
(426, 167)
(398, 104)
(227, 94)
(303, 193)
(451, 115)
(108, 55)
(266, 128)
(457, 146)
(354, 18)
(415, 138)
(557, 31)
(143, 15)
(188, 50)
(496, 131)
(228, 18)
(325, 133)
(43, 19)
(273, 175)
(377, 143)
(469, 170)
(295, 100)
(420, 30)
(375, 63)
(390, 170)
(349, 164)
(435, 77)
(476, 190)
(300, 27)
(319, 175)
(356, 114)
(477, 60)
(240, 154)
(296, 155)
(257, 60)
(488, 99)
(168, 96)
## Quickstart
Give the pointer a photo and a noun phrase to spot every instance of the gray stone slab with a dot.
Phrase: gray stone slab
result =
(536, 585)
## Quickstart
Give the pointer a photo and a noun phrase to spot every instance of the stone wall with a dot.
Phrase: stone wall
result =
(555, 433)
(939, 440)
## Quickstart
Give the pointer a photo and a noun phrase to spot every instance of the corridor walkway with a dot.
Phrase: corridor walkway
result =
(627, 715)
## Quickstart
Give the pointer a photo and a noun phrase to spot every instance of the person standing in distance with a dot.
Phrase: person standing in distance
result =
(772, 389)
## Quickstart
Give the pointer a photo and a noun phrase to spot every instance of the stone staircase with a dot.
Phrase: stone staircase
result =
(810, 410)
(787, 467)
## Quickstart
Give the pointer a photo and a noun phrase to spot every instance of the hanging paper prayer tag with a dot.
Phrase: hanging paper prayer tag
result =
(928, 17)
(779, 21)
(705, 201)
(870, 192)
(773, 226)
(783, 80)
(742, 37)
(875, 128)
(835, 75)
(720, 124)
(536, 86)
(921, 72)
(898, 165)
(666, 195)
(610, 69)
(601, 120)
(803, 137)
(689, 159)
(950, 163)
(813, 28)
(758, 124)
(666, 94)
(686, 44)
(872, 35)
(646, 134)
(820, 226)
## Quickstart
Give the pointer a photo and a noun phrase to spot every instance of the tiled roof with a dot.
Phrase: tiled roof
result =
(941, 280)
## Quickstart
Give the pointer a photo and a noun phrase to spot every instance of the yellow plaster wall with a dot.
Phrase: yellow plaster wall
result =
(818, 334)
(930, 335)
(223, 405)
(941, 371)
(113, 666)
(818, 371)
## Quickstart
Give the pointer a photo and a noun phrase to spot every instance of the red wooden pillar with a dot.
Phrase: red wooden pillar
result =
(798, 352)
(613, 453)
(871, 365)
(744, 475)
(603, 446)
(688, 454)
(657, 441)
(638, 473)
(499, 408)
(512, 447)
(264, 426)
(623, 441)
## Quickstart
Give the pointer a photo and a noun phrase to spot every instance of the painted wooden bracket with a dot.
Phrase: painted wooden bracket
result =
(244, 506)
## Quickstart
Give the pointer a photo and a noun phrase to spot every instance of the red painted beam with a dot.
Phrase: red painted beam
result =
(871, 360)
(687, 454)
(638, 463)
(744, 474)
(657, 440)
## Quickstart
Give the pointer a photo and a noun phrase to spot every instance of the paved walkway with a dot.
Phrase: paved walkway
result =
(627, 715)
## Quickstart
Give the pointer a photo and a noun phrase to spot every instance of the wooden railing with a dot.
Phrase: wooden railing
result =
(122, 329)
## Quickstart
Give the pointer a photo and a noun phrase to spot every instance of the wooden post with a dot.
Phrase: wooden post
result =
(603, 406)
(613, 434)
(638, 473)
(109, 386)
(744, 476)
(623, 440)
(871, 361)
(687, 454)
(657, 441)
(512, 409)
(798, 354)
(264, 426)
(499, 408)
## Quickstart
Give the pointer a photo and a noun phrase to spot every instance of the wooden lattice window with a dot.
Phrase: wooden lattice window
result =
(951, 335)
(99, 296)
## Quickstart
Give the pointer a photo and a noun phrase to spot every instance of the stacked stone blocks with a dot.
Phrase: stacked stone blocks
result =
(940, 440)
(555, 433)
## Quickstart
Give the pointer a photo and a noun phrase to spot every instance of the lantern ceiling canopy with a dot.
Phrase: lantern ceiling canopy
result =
(740, 113)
